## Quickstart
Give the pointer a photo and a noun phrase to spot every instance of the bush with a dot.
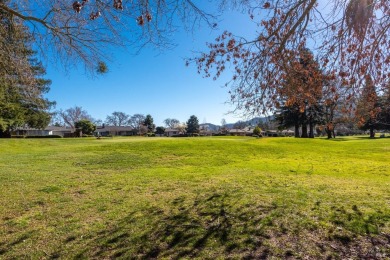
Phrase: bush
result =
(150, 135)
(219, 134)
(180, 135)
(18, 136)
(85, 135)
(257, 131)
(85, 126)
(44, 136)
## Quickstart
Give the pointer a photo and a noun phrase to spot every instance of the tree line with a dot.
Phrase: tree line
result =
(78, 118)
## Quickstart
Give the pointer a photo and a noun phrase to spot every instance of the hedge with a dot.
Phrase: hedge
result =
(44, 136)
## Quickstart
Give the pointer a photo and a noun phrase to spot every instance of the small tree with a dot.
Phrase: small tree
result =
(160, 130)
(85, 126)
(192, 125)
(257, 131)
(181, 128)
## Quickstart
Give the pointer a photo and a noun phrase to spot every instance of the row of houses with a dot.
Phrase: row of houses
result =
(130, 131)
(67, 131)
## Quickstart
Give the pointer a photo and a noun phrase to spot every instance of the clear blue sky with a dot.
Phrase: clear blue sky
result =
(153, 82)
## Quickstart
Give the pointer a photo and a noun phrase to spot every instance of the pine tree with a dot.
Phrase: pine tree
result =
(148, 122)
(22, 88)
(192, 125)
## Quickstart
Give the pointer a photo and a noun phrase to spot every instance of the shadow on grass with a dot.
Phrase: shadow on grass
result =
(224, 225)
(351, 138)
(205, 226)
(215, 225)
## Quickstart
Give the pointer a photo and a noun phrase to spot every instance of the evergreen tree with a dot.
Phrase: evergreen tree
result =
(192, 125)
(374, 111)
(368, 108)
(148, 122)
(22, 101)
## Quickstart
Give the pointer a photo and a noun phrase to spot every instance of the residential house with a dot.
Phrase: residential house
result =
(172, 131)
(106, 130)
(50, 130)
(241, 132)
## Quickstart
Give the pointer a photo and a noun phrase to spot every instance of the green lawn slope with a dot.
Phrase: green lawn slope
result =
(220, 197)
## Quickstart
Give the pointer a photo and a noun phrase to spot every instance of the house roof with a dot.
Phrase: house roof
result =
(113, 128)
(58, 128)
(172, 130)
(240, 130)
(49, 128)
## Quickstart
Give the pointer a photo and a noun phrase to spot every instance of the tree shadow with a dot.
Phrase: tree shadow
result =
(350, 138)
(219, 224)
(207, 225)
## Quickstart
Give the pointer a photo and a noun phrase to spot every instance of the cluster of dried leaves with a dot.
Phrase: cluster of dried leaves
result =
(350, 41)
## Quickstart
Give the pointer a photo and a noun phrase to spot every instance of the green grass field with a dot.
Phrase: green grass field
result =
(220, 197)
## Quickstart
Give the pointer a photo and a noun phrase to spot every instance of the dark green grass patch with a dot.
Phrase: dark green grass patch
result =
(220, 197)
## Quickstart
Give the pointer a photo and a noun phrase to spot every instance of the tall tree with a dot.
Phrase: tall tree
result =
(117, 119)
(22, 86)
(350, 38)
(192, 125)
(384, 114)
(137, 122)
(148, 122)
(171, 122)
(301, 92)
(74, 114)
(371, 109)
(223, 128)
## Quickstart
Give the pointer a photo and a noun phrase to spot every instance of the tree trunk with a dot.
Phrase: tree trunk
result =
(372, 133)
(328, 132)
(311, 129)
(304, 131)
(296, 132)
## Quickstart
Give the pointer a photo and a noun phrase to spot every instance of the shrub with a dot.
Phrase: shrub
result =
(85, 126)
(219, 134)
(257, 130)
(180, 135)
(44, 136)
(18, 136)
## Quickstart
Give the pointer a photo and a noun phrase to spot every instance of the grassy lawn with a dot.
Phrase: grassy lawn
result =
(220, 197)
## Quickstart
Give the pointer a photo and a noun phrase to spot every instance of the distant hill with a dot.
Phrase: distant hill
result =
(210, 127)
(256, 120)
(253, 121)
